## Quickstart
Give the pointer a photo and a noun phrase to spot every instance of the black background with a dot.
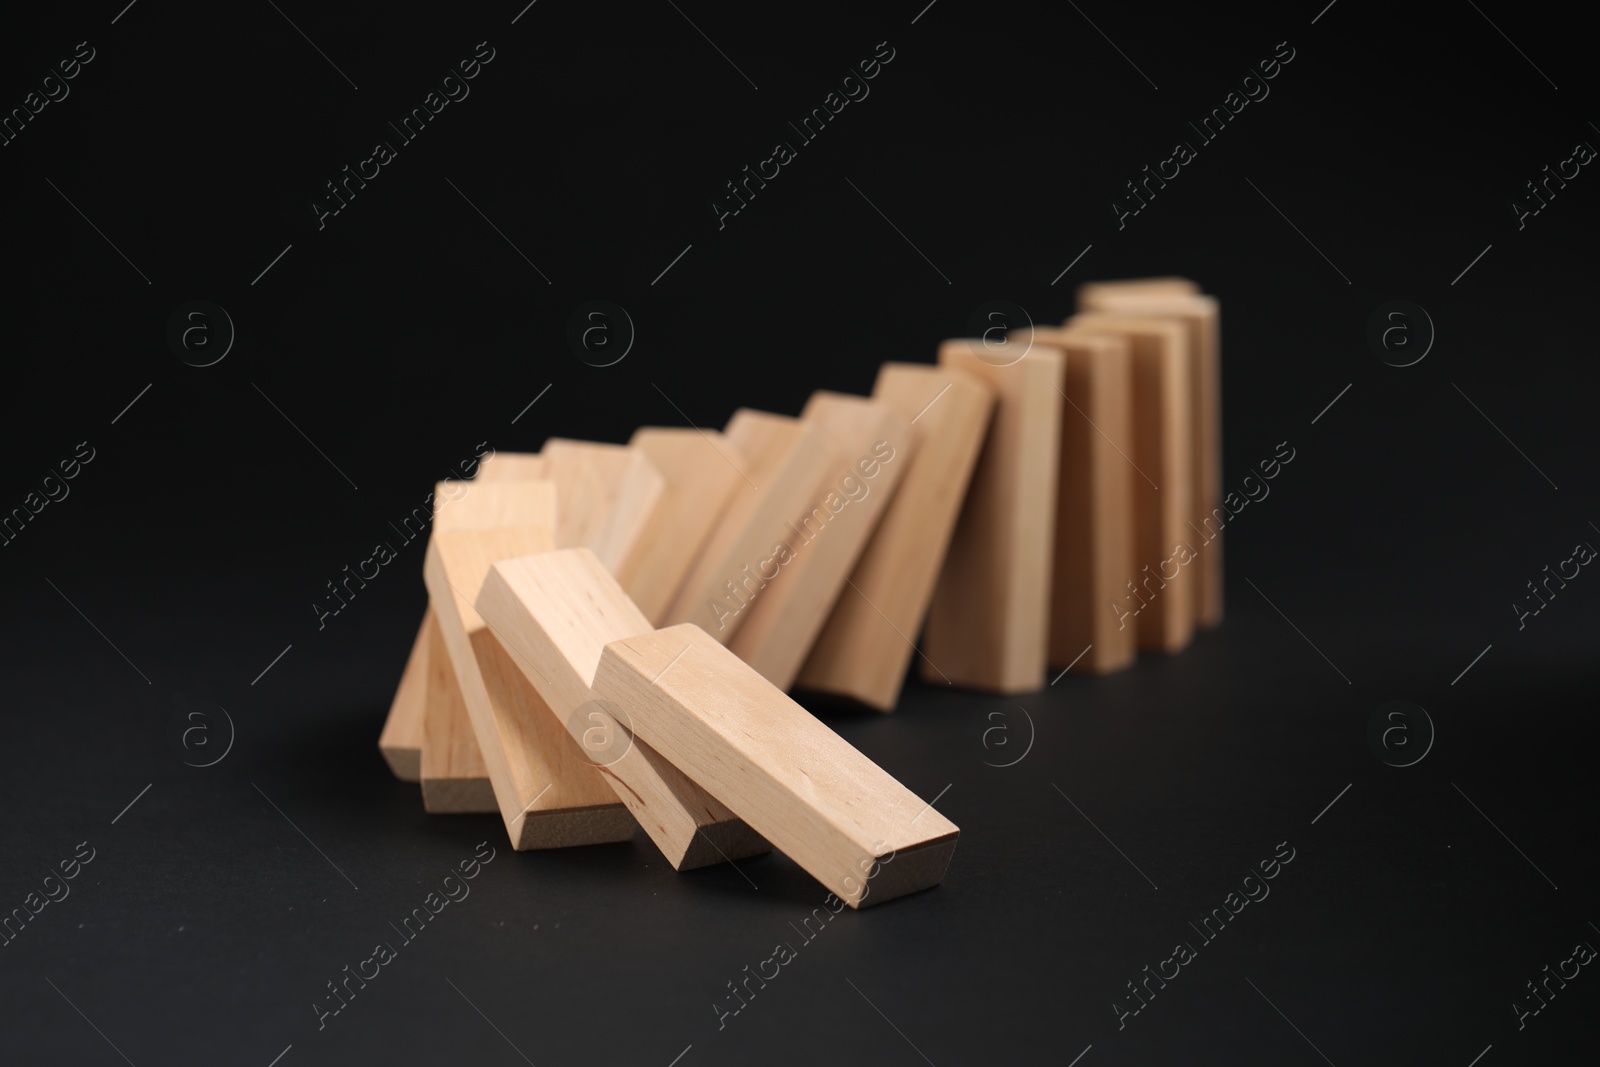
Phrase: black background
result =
(408, 330)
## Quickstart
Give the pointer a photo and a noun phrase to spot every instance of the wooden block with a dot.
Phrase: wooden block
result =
(1200, 315)
(988, 625)
(701, 469)
(868, 448)
(454, 778)
(606, 495)
(556, 612)
(401, 738)
(510, 467)
(1161, 592)
(797, 783)
(548, 794)
(785, 461)
(1094, 547)
(1090, 293)
(866, 643)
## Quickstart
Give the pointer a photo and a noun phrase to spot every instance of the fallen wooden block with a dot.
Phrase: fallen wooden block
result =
(606, 494)
(548, 794)
(786, 459)
(988, 627)
(1200, 315)
(556, 612)
(454, 777)
(1161, 593)
(1094, 546)
(701, 471)
(401, 738)
(866, 642)
(868, 448)
(837, 814)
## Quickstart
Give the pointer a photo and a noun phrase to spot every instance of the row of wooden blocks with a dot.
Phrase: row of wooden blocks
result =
(612, 628)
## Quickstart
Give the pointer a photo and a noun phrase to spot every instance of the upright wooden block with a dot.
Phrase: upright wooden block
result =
(786, 460)
(988, 625)
(606, 494)
(510, 467)
(1094, 547)
(401, 738)
(548, 794)
(701, 469)
(557, 612)
(866, 643)
(801, 786)
(1162, 590)
(1091, 293)
(1200, 315)
(868, 448)
(454, 777)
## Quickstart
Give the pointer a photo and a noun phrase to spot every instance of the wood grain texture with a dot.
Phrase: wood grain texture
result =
(797, 783)
(401, 738)
(1200, 314)
(1094, 547)
(454, 778)
(556, 612)
(1160, 594)
(785, 460)
(866, 643)
(548, 795)
(606, 495)
(868, 448)
(510, 467)
(988, 626)
(701, 470)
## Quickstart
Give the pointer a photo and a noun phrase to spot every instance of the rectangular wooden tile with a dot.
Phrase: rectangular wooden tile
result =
(988, 626)
(701, 469)
(401, 738)
(510, 467)
(866, 643)
(840, 816)
(556, 612)
(1161, 593)
(1091, 293)
(868, 448)
(454, 777)
(606, 494)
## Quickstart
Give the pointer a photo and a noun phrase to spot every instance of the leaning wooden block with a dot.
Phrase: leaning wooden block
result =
(837, 814)
(1200, 315)
(786, 459)
(454, 777)
(1094, 508)
(556, 612)
(866, 643)
(548, 794)
(988, 626)
(868, 448)
(606, 494)
(701, 469)
(510, 467)
(401, 738)
(1161, 592)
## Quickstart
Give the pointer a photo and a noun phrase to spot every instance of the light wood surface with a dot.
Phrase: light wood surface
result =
(801, 786)
(557, 612)
(510, 467)
(989, 621)
(866, 643)
(701, 471)
(1090, 293)
(1094, 547)
(548, 795)
(1201, 316)
(785, 460)
(1160, 593)
(868, 448)
(454, 778)
(401, 738)
(606, 494)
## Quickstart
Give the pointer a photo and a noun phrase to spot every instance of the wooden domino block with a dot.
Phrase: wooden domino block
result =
(1094, 546)
(548, 794)
(868, 448)
(988, 625)
(510, 467)
(866, 643)
(785, 461)
(401, 738)
(556, 612)
(1091, 293)
(454, 777)
(606, 495)
(1162, 591)
(701, 469)
(1200, 315)
(801, 786)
